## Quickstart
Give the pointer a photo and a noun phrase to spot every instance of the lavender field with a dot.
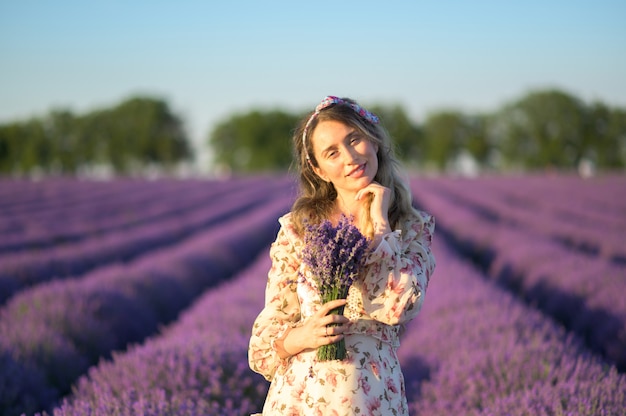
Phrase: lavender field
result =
(133, 297)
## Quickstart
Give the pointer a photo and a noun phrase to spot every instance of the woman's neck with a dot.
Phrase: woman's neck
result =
(357, 211)
(351, 208)
(347, 205)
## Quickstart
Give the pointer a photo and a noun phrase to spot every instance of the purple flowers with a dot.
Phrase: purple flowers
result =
(551, 344)
(334, 256)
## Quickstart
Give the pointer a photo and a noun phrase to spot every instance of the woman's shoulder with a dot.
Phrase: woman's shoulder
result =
(419, 221)
(288, 227)
(418, 216)
(287, 237)
(286, 220)
(425, 217)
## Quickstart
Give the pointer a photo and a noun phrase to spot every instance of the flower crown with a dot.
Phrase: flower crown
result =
(327, 102)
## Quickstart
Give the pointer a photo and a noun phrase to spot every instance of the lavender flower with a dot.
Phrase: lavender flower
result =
(335, 256)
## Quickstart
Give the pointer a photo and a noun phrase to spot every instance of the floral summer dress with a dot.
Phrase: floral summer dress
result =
(390, 293)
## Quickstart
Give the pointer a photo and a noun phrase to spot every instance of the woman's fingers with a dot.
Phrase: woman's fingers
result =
(379, 208)
(331, 325)
(373, 188)
(329, 306)
(334, 330)
(331, 334)
(380, 196)
(333, 319)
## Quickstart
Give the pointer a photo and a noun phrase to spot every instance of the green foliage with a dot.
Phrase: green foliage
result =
(262, 140)
(444, 132)
(407, 136)
(138, 133)
(256, 141)
(541, 130)
(607, 136)
(553, 129)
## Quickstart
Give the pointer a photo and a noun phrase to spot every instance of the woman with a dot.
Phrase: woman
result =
(347, 167)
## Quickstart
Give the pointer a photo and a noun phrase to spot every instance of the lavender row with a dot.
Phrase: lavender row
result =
(27, 268)
(589, 200)
(474, 350)
(124, 205)
(30, 197)
(586, 215)
(477, 350)
(566, 209)
(196, 366)
(33, 204)
(597, 197)
(583, 292)
(51, 334)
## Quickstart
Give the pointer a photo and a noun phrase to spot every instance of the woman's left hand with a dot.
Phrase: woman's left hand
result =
(380, 205)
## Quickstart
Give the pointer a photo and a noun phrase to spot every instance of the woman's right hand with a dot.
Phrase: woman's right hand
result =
(316, 331)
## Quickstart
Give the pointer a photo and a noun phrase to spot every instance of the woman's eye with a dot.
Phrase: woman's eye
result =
(355, 139)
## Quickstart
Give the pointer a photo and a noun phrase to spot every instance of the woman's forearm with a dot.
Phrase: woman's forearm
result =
(290, 344)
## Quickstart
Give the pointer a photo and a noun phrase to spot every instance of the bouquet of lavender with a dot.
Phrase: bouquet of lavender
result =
(334, 256)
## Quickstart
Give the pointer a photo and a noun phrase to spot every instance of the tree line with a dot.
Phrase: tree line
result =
(546, 129)
(137, 134)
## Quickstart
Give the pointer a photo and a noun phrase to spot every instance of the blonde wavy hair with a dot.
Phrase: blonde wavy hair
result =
(316, 198)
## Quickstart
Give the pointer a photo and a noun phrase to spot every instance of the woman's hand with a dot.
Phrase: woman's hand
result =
(315, 332)
(379, 207)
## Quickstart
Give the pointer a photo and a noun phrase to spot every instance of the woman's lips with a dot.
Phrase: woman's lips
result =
(358, 171)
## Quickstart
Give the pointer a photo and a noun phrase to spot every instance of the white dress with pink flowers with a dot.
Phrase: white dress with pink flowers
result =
(389, 293)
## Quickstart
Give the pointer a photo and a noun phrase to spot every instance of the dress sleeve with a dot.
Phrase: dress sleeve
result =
(282, 307)
(399, 271)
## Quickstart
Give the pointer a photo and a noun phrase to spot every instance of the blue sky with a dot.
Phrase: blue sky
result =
(210, 59)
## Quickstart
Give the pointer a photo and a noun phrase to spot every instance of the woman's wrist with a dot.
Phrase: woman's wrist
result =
(285, 345)
(381, 227)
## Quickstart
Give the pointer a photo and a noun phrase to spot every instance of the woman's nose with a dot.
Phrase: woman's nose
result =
(350, 155)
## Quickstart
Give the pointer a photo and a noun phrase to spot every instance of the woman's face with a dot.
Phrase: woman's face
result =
(344, 156)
